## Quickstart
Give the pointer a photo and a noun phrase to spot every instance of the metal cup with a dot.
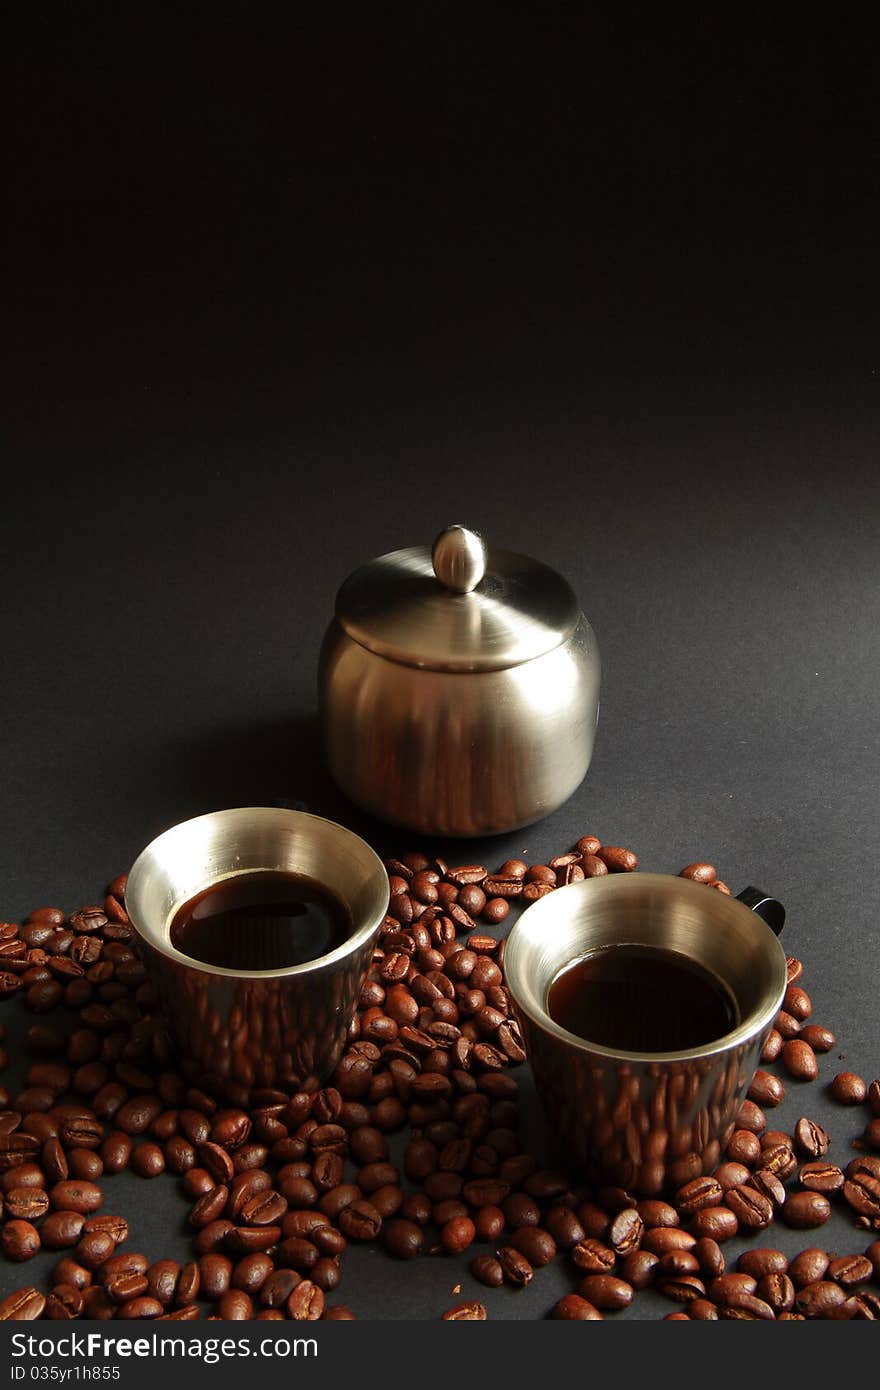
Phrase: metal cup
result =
(646, 1121)
(260, 1028)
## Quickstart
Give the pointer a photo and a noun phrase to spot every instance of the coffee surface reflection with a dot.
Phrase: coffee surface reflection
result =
(643, 999)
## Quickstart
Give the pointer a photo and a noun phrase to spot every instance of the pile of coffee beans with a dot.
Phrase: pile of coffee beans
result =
(279, 1182)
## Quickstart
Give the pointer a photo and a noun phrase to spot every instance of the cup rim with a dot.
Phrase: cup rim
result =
(158, 942)
(745, 1032)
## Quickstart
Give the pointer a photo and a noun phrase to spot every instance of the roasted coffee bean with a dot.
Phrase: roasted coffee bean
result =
(661, 1239)
(697, 1194)
(24, 1305)
(360, 1220)
(700, 873)
(818, 1038)
(804, 1210)
(638, 1268)
(766, 1089)
(74, 1195)
(821, 1177)
(767, 1183)
(808, 1267)
(797, 1002)
(810, 1138)
(61, 1229)
(752, 1208)
(743, 1147)
(572, 1308)
(800, 1060)
(494, 912)
(721, 1223)
(403, 1238)
(772, 1047)
(761, 1261)
(147, 1160)
(617, 860)
(215, 1275)
(862, 1192)
(850, 1270)
(606, 1292)
(19, 1240)
(681, 1288)
(848, 1088)
(592, 1256)
(26, 1203)
(306, 1302)
(817, 1299)
(731, 1175)
(779, 1160)
(515, 1267)
(466, 1312)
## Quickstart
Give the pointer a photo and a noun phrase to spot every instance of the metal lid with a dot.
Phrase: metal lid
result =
(461, 606)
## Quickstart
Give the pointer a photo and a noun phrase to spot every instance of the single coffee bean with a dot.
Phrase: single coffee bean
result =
(26, 1203)
(23, 1305)
(561, 1222)
(306, 1302)
(772, 1047)
(804, 1210)
(19, 1240)
(697, 1194)
(487, 1270)
(592, 1256)
(848, 1088)
(215, 1275)
(617, 860)
(808, 1267)
(751, 1117)
(766, 1089)
(606, 1292)
(767, 1183)
(811, 1139)
(61, 1230)
(761, 1261)
(821, 1177)
(535, 1243)
(403, 1239)
(777, 1291)
(360, 1220)
(721, 1223)
(850, 1270)
(572, 1308)
(818, 1038)
(797, 1002)
(639, 1268)
(800, 1060)
(817, 1299)
(466, 1312)
(74, 1195)
(516, 1268)
(457, 1234)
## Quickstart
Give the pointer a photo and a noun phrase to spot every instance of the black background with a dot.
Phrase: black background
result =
(285, 295)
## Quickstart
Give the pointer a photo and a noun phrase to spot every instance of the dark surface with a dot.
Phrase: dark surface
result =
(283, 302)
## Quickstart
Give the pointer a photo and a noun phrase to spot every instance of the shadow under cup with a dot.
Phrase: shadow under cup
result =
(646, 1121)
(256, 1028)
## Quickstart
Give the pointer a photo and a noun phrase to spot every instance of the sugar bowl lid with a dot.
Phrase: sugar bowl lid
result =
(459, 606)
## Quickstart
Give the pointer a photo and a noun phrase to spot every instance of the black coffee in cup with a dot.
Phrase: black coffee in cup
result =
(642, 999)
(261, 921)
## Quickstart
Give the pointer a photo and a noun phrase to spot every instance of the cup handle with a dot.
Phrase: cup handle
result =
(770, 910)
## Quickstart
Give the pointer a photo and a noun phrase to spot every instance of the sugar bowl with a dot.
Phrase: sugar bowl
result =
(459, 688)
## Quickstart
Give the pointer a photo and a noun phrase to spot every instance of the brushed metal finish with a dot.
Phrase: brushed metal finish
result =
(459, 559)
(454, 754)
(397, 607)
(644, 1121)
(264, 1027)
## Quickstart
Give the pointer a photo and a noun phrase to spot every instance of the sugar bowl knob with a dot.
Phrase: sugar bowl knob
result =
(459, 559)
